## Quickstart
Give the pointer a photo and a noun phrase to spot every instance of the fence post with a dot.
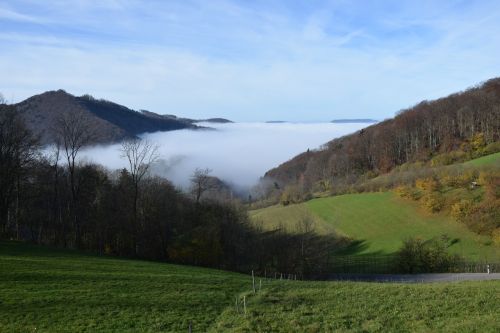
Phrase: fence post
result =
(190, 329)
(245, 305)
(253, 282)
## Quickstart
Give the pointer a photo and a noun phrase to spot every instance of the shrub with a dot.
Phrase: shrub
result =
(427, 184)
(484, 217)
(449, 158)
(477, 141)
(291, 194)
(433, 202)
(492, 148)
(496, 236)
(462, 209)
(418, 256)
(466, 178)
(491, 183)
(403, 191)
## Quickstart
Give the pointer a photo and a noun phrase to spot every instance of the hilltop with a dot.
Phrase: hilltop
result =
(111, 122)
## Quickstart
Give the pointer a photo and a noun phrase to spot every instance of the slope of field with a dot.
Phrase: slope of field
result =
(52, 291)
(44, 290)
(381, 221)
(288, 218)
(368, 307)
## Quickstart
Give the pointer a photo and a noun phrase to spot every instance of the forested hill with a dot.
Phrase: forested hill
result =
(111, 122)
(460, 121)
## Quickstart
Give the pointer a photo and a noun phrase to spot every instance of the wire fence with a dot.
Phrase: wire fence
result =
(375, 264)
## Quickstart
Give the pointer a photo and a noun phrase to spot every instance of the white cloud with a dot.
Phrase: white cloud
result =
(239, 153)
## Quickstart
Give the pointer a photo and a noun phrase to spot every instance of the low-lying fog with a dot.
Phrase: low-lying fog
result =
(238, 153)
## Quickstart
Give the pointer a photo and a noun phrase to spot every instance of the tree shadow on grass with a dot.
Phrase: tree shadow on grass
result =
(356, 248)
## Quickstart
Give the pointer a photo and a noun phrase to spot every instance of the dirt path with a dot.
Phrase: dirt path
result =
(416, 278)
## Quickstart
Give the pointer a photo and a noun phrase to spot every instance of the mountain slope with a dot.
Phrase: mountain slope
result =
(112, 122)
(465, 120)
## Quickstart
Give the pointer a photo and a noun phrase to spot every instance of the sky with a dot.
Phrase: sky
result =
(259, 60)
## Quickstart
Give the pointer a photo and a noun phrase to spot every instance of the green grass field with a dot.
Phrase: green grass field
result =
(368, 307)
(59, 291)
(44, 290)
(492, 159)
(381, 221)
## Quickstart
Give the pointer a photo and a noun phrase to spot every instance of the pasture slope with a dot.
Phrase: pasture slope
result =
(380, 221)
(47, 290)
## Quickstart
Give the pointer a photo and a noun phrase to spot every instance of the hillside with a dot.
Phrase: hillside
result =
(111, 122)
(47, 290)
(379, 222)
(464, 122)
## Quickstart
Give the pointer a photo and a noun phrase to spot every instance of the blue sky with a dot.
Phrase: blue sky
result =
(250, 60)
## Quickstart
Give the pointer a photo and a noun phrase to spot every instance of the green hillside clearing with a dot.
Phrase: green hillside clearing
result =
(382, 221)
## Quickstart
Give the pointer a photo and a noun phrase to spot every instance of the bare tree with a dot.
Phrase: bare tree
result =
(18, 148)
(201, 182)
(140, 154)
(74, 130)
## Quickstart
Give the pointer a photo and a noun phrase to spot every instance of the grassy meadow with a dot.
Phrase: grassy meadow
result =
(368, 307)
(61, 291)
(380, 221)
(46, 290)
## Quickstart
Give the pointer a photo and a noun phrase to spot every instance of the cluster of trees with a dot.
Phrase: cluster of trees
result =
(462, 121)
(470, 196)
(48, 197)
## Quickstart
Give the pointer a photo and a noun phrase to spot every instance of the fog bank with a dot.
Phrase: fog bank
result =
(238, 153)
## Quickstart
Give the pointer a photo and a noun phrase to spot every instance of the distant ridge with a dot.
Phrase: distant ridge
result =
(111, 122)
(215, 120)
(349, 121)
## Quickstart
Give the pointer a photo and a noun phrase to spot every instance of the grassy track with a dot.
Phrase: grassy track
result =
(45, 290)
(382, 221)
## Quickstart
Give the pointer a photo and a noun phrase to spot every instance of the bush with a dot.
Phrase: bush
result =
(491, 183)
(403, 191)
(433, 202)
(418, 256)
(291, 194)
(462, 209)
(427, 184)
(492, 148)
(496, 236)
(484, 218)
(448, 158)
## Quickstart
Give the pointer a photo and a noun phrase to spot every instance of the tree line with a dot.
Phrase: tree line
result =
(48, 197)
